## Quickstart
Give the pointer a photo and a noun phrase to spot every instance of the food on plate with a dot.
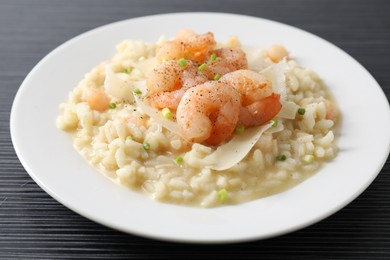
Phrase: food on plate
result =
(193, 121)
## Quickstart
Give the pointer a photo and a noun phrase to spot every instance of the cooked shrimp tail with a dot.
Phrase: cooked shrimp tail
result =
(260, 112)
(208, 112)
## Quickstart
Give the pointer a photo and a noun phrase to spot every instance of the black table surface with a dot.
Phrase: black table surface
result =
(34, 225)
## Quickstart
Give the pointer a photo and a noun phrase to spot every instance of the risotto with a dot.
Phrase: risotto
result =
(195, 122)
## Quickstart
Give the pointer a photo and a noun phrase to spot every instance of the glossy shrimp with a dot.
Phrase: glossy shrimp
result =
(226, 60)
(251, 85)
(260, 112)
(165, 77)
(208, 112)
(168, 82)
(188, 45)
(235, 57)
(97, 100)
(259, 103)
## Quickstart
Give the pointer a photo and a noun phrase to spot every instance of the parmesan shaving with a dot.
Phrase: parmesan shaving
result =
(157, 116)
(232, 152)
(118, 85)
(146, 66)
(277, 75)
(141, 85)
(278, 128)
(257, 59)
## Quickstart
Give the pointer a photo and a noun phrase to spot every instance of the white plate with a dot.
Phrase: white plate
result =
(48, 155)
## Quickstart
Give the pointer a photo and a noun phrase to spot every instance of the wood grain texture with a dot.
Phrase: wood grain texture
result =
(33, 225)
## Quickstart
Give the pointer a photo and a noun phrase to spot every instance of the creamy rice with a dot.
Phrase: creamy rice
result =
(112, 141)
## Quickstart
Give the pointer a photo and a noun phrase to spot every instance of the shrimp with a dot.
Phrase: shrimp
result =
(261, 111)
(97, 100)
(167, 99)
(188, 45)
(227, 60)
(331, 111)
(170, 50)
(208, 112)
(168, 82)
(185, 34)
(252, 86)
(192, 77)
(165, 77)
(259, 103)
(235, 57)
(199, 47)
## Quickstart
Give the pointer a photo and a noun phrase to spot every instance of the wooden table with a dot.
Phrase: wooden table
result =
(34, 225)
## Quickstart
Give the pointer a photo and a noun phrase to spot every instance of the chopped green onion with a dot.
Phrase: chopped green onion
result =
(130, 138)
(127, 70)
(217, 76)
(137, 91)
(202, 67)
(146, 146)
(223, 194)
(281, 157)
(301, 111)
(240, 129)
(213, 57)
(308, 158)
(274, 123)
(179, 159)
(167, 114)
(182, 63)
(112, 105)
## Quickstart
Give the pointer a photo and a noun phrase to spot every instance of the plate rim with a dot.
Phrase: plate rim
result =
(189, 240)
